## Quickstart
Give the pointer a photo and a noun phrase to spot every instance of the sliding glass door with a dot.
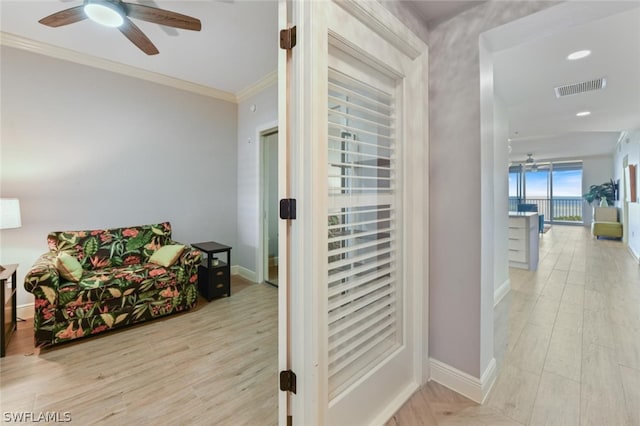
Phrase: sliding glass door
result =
(567, 192)
(539, 188)
(516, 186)
(554, 187)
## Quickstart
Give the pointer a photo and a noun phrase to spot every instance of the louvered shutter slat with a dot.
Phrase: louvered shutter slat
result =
(363, 296)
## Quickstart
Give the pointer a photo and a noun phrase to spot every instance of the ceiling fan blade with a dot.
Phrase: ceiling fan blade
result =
(167, 30)
(137, 37)
(162, 17)
(64, 17)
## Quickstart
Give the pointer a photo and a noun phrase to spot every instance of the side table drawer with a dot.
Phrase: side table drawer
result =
(8, 296)
(215, 282)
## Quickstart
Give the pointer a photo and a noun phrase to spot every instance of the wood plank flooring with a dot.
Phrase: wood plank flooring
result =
(567, 344)
(214, 365)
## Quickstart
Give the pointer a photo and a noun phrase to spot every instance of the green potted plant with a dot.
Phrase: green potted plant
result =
(603, 194)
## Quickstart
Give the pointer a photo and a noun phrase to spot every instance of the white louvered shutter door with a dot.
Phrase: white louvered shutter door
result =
(364, 300)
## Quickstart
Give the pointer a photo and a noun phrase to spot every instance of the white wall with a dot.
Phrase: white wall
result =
(84, 148)
(629, 147)
(249, 209)
(595, 171)
(487, 211)
(271, 195)
(459, 316)
(501, 195)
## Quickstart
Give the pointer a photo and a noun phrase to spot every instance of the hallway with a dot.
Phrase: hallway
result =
(566, 339)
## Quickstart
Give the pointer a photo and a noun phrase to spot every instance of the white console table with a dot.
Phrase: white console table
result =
(523, 240)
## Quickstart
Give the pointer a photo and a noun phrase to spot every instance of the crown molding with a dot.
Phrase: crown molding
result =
(249, 91)
(386, 25)
(12, 40)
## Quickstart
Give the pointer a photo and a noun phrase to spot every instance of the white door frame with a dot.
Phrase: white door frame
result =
(285, 406)
(261, 131)
(304, 298)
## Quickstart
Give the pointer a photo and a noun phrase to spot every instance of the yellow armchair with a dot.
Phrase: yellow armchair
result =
(605, 223)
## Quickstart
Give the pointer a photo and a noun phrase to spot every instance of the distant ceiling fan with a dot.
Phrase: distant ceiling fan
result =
(531, 163)
(116, 13)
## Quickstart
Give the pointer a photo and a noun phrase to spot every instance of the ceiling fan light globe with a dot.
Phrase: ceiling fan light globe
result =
(104, 14)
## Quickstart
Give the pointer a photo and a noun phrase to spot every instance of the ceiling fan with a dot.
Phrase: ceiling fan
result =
(531, 163)
(116, 13)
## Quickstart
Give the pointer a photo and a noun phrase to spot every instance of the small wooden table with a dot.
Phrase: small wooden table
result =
(8, 295)
(214, 279)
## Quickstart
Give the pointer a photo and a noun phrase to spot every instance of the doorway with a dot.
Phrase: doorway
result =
(269, 190)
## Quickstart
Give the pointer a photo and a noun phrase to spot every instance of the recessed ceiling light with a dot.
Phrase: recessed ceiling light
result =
(583, 113)
(578, 55)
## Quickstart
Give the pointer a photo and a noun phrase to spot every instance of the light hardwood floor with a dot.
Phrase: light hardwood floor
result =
(567, 344)
(215, 365)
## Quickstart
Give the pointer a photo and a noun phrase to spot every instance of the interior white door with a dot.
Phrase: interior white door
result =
(357, 161)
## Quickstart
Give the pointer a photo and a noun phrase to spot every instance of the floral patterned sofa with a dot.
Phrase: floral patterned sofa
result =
(117, 284)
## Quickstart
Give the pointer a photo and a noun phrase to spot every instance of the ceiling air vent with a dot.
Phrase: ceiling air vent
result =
(584, 86)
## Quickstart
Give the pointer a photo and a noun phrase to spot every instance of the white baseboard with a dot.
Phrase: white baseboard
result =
(635, 256)
(244, 273)
(458, 381)
(501, 291)
(25, 311)
(488, 379)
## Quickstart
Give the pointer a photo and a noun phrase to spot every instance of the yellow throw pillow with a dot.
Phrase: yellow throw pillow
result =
(69, 267)
(167, 255)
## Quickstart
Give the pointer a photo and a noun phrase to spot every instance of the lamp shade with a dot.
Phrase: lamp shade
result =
(10, 213)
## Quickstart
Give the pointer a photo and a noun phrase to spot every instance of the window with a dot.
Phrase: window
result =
(555, 187)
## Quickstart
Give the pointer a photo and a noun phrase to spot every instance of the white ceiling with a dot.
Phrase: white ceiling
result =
(237, 48)
(540, 123)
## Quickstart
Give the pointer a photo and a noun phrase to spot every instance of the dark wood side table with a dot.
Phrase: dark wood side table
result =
(214, 279)
(8, 295)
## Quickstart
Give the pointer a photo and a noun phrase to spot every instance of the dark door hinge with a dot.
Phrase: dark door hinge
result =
(288, 38)
(288, 208)
(289, 420)
(288, 381)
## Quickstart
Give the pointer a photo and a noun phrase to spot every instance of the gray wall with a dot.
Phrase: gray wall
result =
(249, 209)
(84, 148)
(406, 12)
(459, 315)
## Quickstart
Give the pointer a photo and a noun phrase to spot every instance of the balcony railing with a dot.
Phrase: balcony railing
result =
(567, 209)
